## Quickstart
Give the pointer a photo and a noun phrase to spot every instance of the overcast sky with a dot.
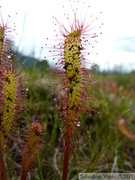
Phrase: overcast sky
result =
(34, 23)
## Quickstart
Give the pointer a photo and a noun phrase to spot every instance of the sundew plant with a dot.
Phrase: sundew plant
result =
(11, 103)
(74, 45)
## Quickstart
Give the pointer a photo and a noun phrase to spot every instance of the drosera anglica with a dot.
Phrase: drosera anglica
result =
(72, 54)
(10, 88)
(11, 99)
(32, 145)
(5, 36)
(10, 81)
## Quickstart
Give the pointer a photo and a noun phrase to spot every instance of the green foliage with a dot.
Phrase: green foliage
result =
(102, 145)
(113, 99)
(98, 149)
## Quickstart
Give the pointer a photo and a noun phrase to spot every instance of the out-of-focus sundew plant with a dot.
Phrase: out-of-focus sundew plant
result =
(56, 122)
(11, 101)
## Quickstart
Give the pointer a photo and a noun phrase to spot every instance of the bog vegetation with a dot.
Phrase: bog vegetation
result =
(106, 149)
(32, 113)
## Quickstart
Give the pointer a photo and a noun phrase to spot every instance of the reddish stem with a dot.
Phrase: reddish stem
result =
(66, 155)
(24, 175)
(2, 164)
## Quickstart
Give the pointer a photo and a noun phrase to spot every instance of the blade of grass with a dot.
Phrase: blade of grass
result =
(39, 166)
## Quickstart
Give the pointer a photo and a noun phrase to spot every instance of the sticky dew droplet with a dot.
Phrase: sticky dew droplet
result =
(78, 123)
(22, 92)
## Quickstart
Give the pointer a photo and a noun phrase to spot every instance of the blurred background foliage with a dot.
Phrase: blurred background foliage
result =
(103, 148)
